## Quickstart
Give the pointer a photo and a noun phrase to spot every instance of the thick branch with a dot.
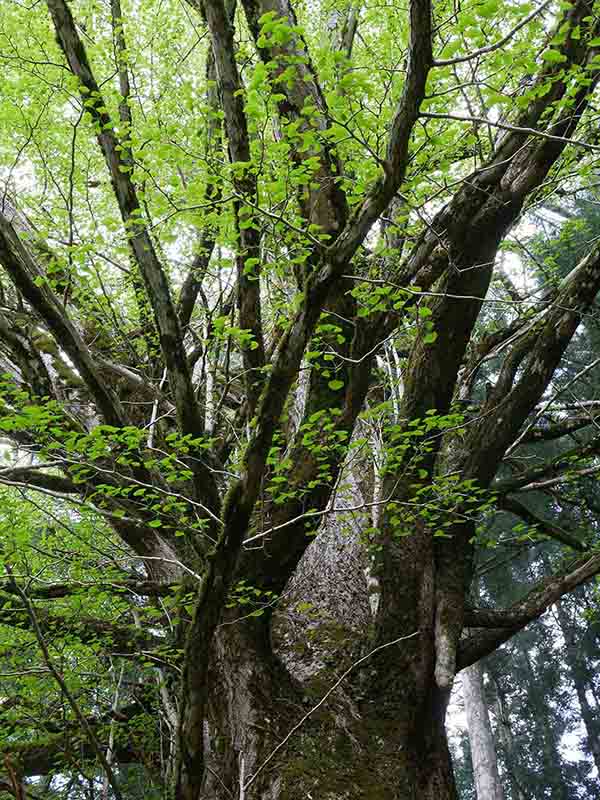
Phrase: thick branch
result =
(537, 354)
(139, 238)
(88, 630)
(560, 429)
(520, 614)
(248, 257)
(324, 203)
(61, 753)
(25, 275)
(57, 591)
(27, 358)
(34, 477)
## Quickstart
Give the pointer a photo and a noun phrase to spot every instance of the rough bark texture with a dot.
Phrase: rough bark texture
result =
(266, 684)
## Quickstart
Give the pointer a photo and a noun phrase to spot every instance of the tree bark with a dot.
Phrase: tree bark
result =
(345, 749)
(272, 676)
(481, 738)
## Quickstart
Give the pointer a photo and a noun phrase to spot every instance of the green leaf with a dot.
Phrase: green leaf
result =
(553, 57)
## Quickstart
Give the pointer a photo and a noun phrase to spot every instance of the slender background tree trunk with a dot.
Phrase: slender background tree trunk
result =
(481, 738)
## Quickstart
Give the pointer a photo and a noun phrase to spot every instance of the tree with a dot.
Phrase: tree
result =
(232, 302)
(481, 740)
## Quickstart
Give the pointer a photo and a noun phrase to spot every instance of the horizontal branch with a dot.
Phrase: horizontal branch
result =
(559, 429)
(87, 629)
(513, 619)
(62, 753)
(557, 468)
(498, 618)
(36, 478)
(56, 591)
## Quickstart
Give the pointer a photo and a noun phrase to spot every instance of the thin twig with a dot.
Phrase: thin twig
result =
(446, 62)
(513, 128)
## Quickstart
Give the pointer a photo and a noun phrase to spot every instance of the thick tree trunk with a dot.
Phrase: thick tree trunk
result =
(481, 738)
(379, 735)
(344, 750)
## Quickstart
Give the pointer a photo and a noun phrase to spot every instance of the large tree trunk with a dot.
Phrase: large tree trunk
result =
(379, 734)
(481, 738)
(345, 749)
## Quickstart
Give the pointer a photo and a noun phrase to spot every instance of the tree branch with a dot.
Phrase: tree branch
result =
(56, 591)
(87, 629)
(324, 203)
(34, 477)
(537, 354)
(513, 619)
(140, 241)
(25, 275)
(213, 192)
(546, 527)
(27, 358)
(248, 257)
(490, 48)
(420, 60)
(95, 745)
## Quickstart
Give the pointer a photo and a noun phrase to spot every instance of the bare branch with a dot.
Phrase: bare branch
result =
(546, 527)
(513, 128)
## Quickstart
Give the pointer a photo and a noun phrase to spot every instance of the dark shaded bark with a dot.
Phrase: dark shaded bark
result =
(362, 742)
